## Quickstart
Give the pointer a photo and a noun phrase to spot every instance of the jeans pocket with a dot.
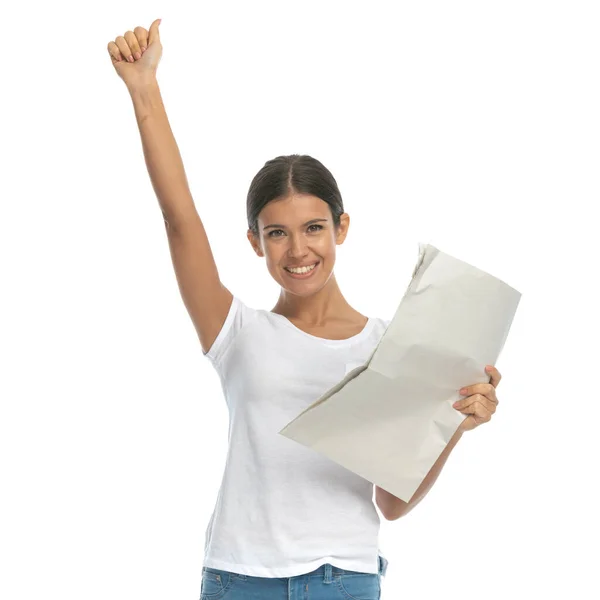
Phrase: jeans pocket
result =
(363, 586)
(214, 583)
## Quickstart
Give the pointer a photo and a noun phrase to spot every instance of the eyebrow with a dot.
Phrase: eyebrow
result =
(283, 226)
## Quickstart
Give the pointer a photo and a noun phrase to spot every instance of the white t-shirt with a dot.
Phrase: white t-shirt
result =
(283, 509)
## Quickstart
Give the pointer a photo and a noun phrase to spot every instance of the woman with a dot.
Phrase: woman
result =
(288, 522)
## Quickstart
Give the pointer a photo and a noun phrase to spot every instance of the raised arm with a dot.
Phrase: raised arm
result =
(207, 300)
(205, 297)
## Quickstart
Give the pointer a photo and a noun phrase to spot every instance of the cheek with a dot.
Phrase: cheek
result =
(274, 252)
(329, 248)
(326, 243)
(273, 258)
(325, 249)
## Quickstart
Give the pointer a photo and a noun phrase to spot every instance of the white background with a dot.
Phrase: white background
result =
(473, 126)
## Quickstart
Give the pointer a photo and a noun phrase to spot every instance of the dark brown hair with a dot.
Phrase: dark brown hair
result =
(294, 173)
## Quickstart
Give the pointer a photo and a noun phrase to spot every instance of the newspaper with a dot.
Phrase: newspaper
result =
(389, 419)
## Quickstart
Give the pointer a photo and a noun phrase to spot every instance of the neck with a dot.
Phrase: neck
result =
(315, 309)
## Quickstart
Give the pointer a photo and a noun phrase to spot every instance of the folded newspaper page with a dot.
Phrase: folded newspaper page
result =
(389, 419)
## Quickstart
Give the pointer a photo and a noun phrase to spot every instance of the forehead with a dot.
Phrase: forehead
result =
(297, 207)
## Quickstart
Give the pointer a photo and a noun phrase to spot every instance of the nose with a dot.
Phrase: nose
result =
(298, 247)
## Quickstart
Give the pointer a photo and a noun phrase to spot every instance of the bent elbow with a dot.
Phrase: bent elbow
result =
(395, 516)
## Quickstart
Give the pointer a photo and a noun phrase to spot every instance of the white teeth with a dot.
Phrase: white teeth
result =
(301, 269)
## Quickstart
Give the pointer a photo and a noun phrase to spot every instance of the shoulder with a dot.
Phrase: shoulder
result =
(381, 322)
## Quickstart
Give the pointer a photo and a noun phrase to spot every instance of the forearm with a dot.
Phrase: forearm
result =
(161, 153)
(395, 507)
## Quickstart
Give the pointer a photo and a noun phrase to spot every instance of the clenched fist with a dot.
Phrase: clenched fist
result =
(136, 54)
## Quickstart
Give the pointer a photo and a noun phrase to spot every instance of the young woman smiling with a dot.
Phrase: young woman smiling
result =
(288, 523)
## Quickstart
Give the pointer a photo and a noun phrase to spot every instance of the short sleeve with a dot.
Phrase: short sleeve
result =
(239, 314)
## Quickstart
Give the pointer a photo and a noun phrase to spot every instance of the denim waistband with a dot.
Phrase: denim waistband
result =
(327, 571)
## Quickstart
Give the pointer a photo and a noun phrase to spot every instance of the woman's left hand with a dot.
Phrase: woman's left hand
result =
(481, 401)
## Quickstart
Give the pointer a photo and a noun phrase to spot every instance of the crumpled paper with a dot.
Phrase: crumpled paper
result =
(389, 419)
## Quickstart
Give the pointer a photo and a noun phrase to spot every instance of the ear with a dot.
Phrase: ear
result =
(254, 243)
(342, 229)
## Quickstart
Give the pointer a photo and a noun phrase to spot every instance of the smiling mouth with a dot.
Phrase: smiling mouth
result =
(313, 265)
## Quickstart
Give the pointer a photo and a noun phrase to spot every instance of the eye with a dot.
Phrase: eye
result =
(276, 230)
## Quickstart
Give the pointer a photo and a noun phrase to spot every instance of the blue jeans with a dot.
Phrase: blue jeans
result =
(325, 583)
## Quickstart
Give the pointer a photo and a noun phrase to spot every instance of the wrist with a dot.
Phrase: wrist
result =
(142, 84)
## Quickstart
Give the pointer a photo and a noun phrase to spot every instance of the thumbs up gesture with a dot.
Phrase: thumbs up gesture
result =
(135, 55)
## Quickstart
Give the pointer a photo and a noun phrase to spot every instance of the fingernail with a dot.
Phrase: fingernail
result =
(463, 391)
(137, 56)
(143, 48)
(488, 369)
(130, 58)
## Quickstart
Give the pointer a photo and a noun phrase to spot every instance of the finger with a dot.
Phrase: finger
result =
(479, 411)
(114, 52)
(462, 405)
(132, 42)
(124, 48)
(153, 34)
(494, 374)
(142, 37)
(486, 389)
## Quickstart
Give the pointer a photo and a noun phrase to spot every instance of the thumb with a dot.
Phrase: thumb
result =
(153, 34)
